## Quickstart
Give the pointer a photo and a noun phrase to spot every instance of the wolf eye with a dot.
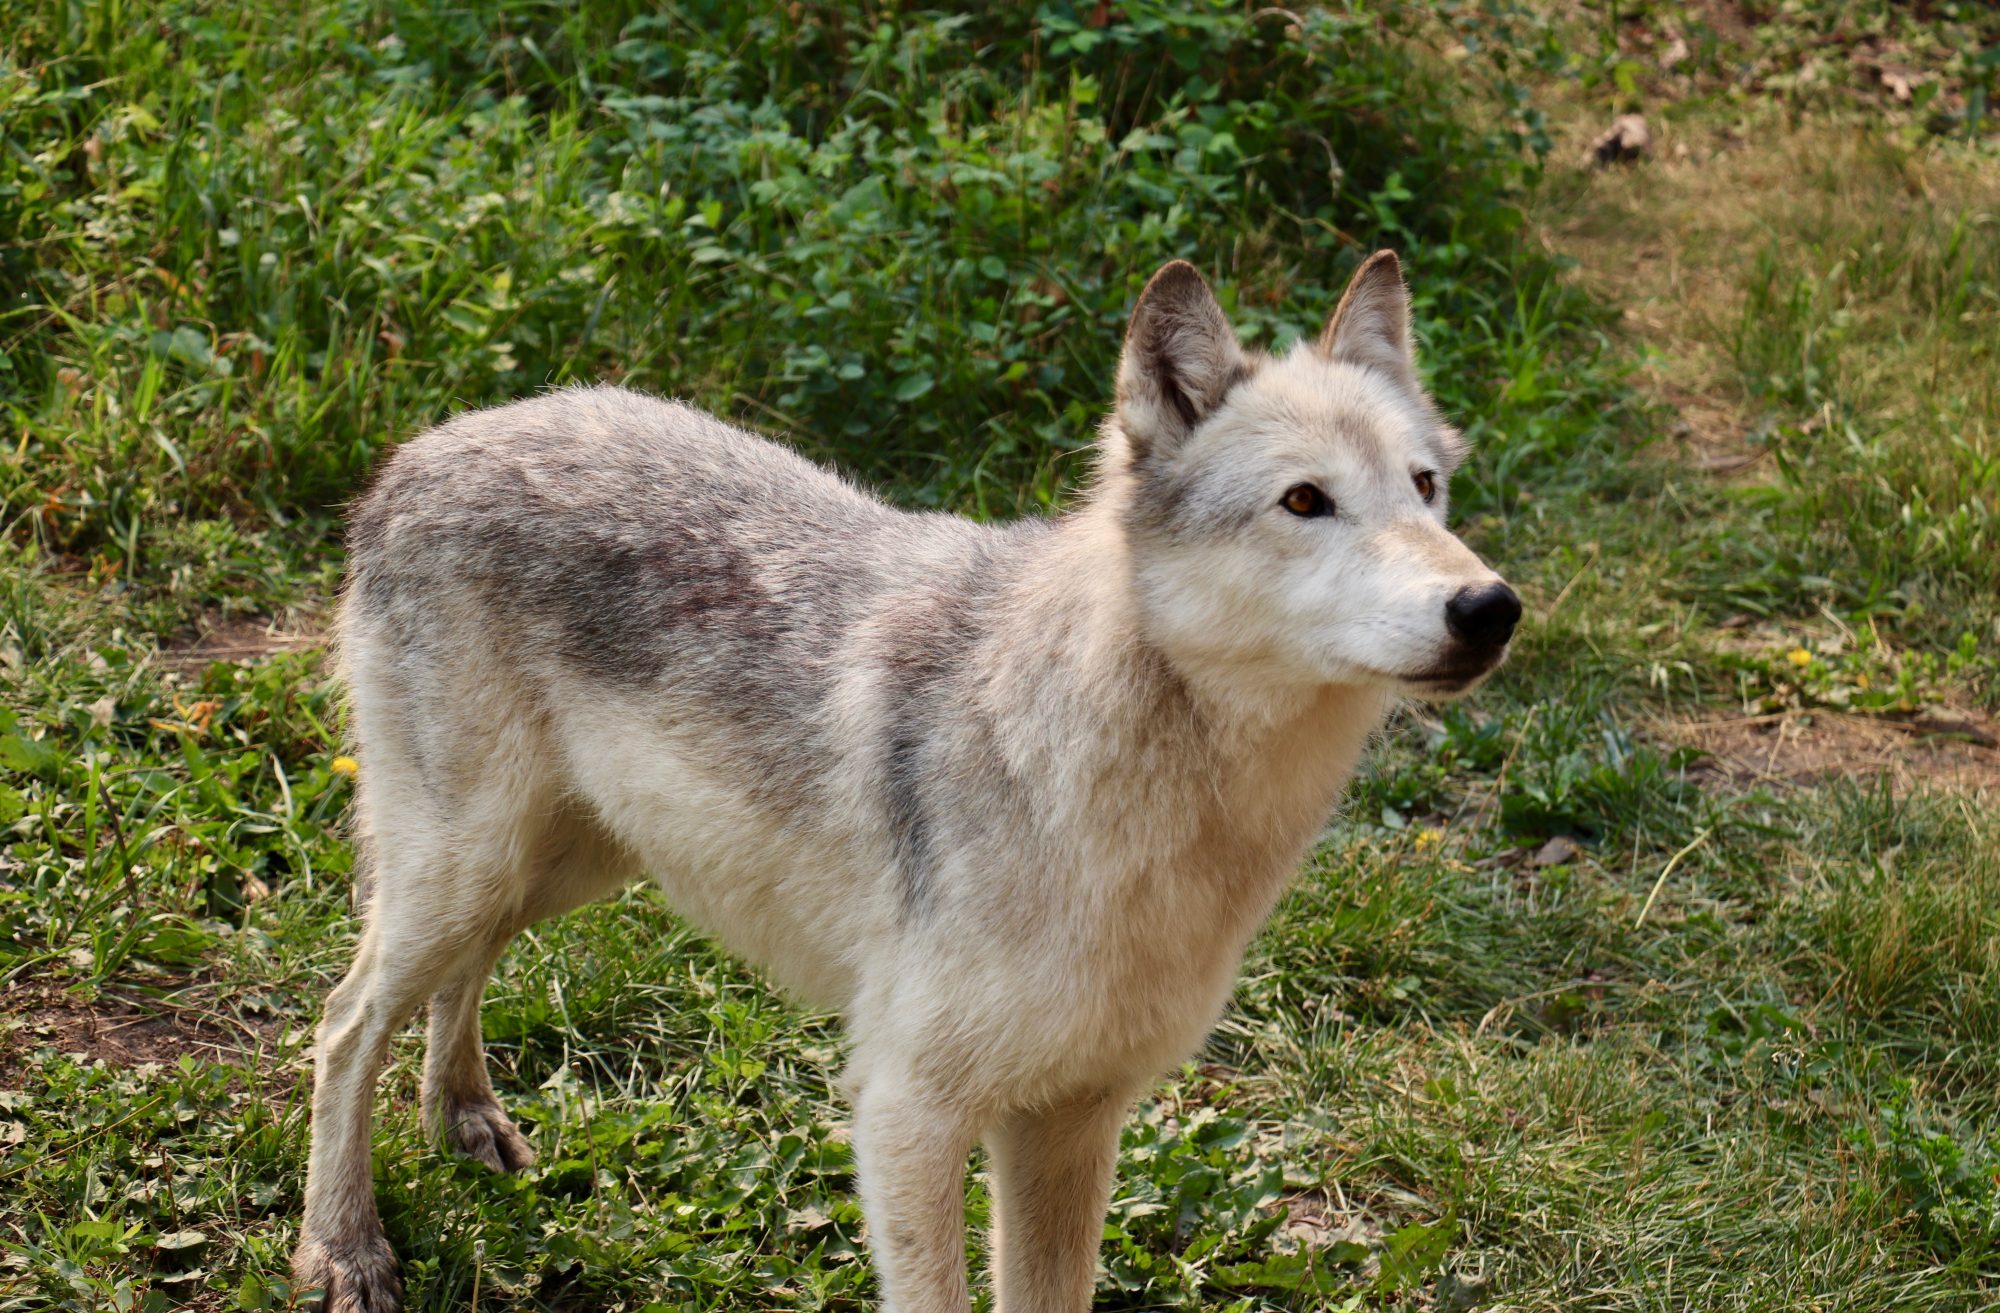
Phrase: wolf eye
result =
(1427, 484)
(1306, 501)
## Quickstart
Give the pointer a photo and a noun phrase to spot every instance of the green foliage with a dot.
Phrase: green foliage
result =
(860, 229)
(1945, 1188)
(1570, 770)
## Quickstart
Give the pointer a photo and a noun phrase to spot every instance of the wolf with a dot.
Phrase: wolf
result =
(1009, 799)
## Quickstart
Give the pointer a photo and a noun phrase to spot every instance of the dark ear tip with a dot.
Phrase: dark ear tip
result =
(1176, 273)
(1383, 261)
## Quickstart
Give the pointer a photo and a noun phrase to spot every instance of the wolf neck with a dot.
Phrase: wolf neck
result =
(1180, 763)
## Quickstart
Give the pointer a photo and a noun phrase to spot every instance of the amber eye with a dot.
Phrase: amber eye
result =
(1306, 501)
(1427, 484)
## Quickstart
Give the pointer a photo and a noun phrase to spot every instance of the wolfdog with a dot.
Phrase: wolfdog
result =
(1009, 799)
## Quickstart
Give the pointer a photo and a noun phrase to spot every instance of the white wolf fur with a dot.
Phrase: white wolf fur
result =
(1011, 800)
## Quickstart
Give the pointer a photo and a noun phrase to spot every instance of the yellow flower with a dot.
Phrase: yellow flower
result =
(345, 766)
(1861, 680)
(1425, 838)
(1798, 656)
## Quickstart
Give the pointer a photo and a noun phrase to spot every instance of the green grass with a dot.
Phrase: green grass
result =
(1725, 1046)
(1819, 266)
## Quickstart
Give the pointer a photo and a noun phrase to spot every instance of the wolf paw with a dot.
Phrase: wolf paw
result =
(485, 1131)
(355, 1277)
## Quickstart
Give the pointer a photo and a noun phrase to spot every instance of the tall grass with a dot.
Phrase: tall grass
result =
(1873, 324)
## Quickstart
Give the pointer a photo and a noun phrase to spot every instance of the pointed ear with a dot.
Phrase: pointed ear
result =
(1371, 325)
(1181, 358)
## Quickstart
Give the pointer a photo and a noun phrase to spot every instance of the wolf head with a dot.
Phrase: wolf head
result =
(1285, 516)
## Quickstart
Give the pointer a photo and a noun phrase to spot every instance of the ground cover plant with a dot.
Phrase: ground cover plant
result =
(1666, 975)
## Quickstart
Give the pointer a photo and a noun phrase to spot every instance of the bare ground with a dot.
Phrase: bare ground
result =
(235, 639)
(1956, 749)
(122, 1030)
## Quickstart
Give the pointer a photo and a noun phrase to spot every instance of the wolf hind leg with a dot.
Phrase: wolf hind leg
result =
(577, 863)
(458, 1099)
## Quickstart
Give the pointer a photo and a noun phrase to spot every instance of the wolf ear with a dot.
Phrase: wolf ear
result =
(1181, 358)
(1371, 325)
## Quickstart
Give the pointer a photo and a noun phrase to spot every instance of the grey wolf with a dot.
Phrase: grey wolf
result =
(1009, 799)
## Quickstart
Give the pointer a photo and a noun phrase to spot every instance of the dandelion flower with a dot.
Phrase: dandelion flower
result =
(344, 766)
(1798, 656)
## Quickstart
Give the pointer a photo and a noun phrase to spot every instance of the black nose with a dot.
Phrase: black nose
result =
(1483, 617)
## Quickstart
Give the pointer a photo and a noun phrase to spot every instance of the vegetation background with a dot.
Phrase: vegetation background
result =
(1667, 976)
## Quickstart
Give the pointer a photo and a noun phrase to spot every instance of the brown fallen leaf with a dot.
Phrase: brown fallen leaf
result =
(1729, 462)
(1555, 852)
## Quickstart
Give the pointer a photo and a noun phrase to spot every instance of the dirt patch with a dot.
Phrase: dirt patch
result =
(235, 639)
(122, 1030)
(1951, 749)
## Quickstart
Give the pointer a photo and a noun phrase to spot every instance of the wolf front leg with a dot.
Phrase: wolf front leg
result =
(910, 1148)
(1052, 1172)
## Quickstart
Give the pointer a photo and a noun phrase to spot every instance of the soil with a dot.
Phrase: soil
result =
(235, 639)
(123, 1030)
(1953, 749)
